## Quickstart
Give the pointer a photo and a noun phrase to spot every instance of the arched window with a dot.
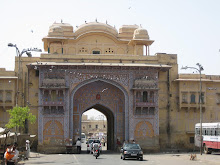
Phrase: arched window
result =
(152, 97)
(46, 95)
(60, 95)
(192, 98)
(145, 99)
(138, 97)
(53, 95)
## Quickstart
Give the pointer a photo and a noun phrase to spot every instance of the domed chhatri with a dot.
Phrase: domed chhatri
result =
(63, 39)
(141, 33)
(96, 27)
(60, 29)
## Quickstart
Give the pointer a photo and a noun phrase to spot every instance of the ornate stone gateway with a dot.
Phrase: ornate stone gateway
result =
(98, 67)
(127, 95)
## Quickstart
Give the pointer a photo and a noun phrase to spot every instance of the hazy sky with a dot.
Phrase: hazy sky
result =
(189, 28)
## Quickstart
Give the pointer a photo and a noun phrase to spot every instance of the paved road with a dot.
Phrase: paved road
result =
(107, 158)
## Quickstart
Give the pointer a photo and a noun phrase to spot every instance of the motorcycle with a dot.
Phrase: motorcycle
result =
(96, 153)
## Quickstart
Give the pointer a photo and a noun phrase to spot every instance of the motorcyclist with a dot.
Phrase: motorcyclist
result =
(95, 146)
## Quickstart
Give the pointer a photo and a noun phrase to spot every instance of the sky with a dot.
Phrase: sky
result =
(188, 28)
(94, 114)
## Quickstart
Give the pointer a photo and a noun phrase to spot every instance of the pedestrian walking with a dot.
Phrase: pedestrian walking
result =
(28, 150)
(78, 145)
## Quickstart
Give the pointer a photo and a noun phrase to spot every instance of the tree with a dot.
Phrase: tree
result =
(18, 116)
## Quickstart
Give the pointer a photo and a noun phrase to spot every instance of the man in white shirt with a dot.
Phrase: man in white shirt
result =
(78, 145)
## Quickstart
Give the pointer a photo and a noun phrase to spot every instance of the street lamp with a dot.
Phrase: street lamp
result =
(199, 69)
(19, 54)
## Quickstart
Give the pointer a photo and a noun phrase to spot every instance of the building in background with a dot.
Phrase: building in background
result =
(8, 81)
(96, 128)
(95, 66)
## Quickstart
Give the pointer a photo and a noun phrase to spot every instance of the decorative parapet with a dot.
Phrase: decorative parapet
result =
(145, 84)
(53, 83)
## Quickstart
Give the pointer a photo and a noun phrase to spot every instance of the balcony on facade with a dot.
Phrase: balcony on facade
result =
(190, 100)
(53, 110)
(145, 96)
(53, 97)
(53, 83)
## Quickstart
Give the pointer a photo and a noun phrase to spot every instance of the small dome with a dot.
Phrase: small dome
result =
(60, 29)
(96, 27)
(56, 29)
(141, 33)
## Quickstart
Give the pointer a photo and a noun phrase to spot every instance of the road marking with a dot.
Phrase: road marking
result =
(76, 160)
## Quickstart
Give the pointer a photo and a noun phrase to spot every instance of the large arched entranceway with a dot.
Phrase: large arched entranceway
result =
(110, 124)
(106, 98)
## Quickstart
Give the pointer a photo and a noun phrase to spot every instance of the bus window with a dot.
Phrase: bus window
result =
(209, 131)
(213, 131)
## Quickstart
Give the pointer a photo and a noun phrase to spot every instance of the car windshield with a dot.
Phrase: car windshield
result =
(131, 146)
(90, 141)
(96, 141)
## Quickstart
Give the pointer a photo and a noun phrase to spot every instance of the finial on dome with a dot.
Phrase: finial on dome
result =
(96, 20)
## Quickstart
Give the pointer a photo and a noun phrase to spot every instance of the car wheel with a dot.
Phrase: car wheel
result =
(141, 159)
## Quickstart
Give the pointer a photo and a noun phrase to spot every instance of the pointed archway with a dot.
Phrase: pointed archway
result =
(110, 124)
(106, 97)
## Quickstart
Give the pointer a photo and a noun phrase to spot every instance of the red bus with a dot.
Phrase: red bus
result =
(210, 136)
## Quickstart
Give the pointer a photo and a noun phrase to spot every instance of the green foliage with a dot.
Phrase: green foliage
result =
(18, 115)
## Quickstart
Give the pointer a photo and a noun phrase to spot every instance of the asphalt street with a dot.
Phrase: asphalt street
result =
(108, 158)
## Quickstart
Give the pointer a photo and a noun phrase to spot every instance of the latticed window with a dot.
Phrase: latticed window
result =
(60, 110)
(46, 110)
(8, 96)
(192, 98)
(151, 111)
(138, 111)
(1, 96)
(145, 110)
(184, 98)
(53, 110)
